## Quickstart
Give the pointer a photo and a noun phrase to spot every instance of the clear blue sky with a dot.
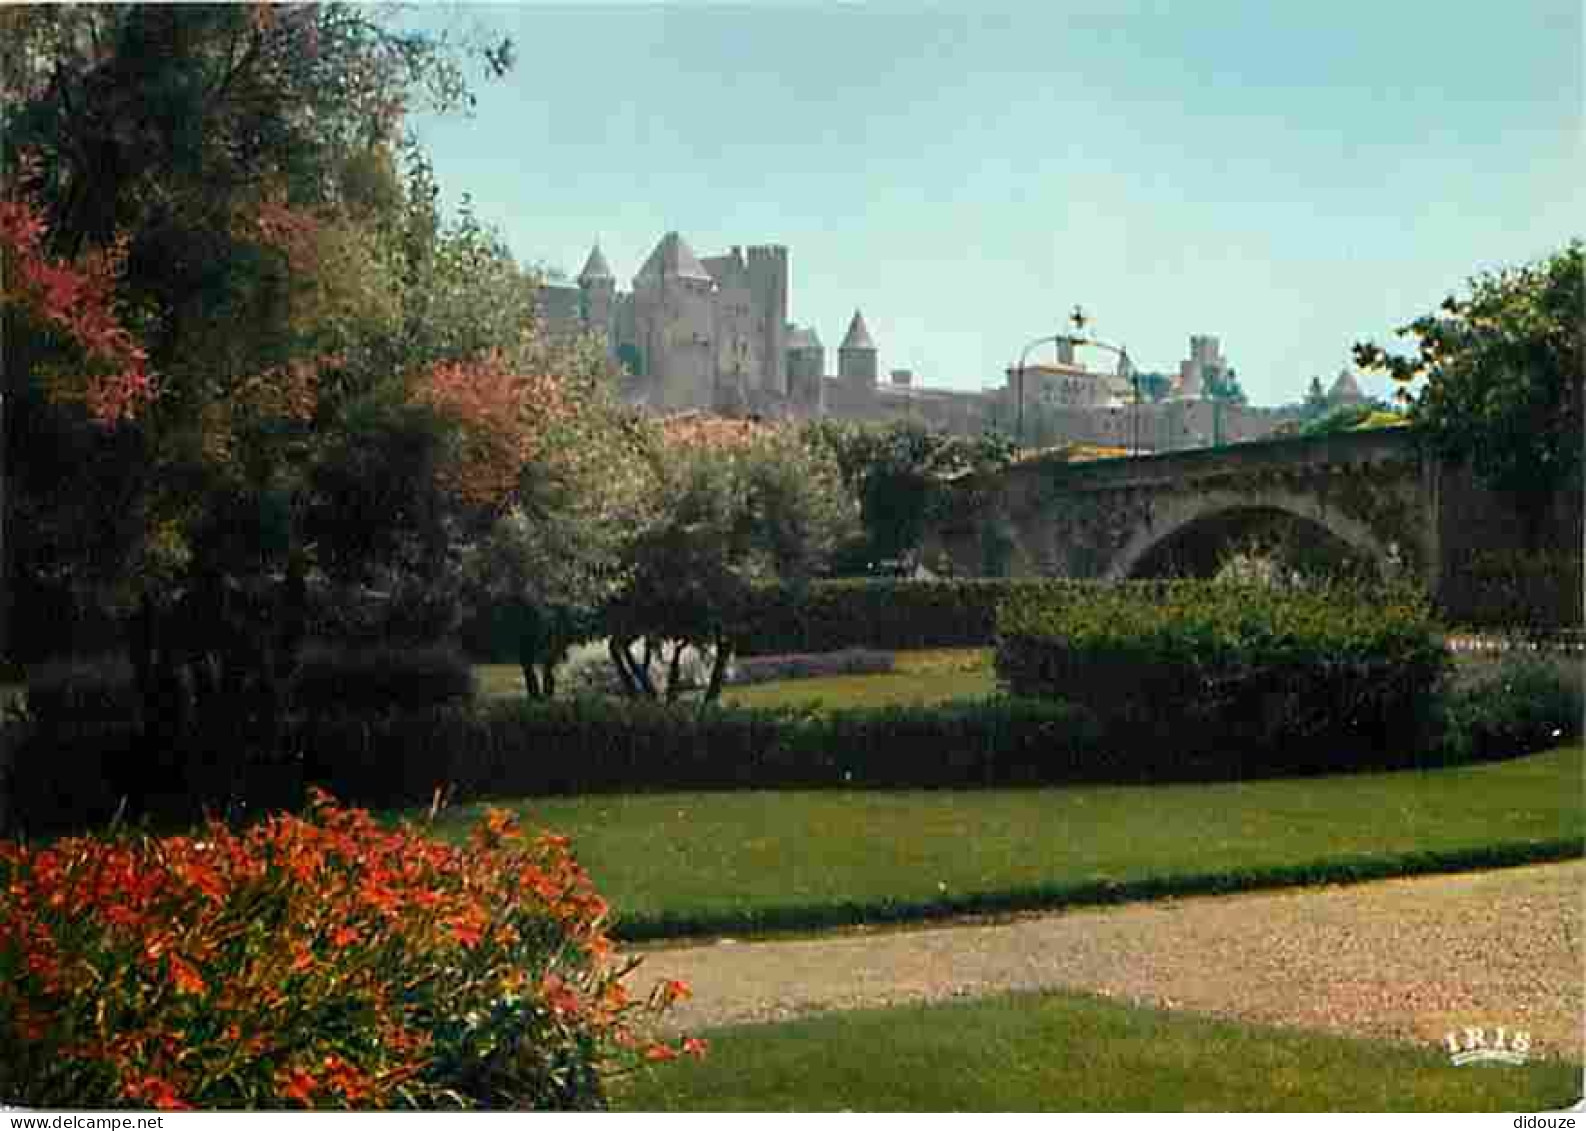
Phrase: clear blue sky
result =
(1287, 176)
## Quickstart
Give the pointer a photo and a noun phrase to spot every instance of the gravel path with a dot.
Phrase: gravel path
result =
(1397, 959)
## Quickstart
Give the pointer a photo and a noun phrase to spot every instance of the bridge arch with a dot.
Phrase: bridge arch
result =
(1199, 521)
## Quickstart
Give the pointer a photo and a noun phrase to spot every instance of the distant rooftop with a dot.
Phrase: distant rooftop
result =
(803, 338)
(673, 259)
(596, 269)
(858, 336)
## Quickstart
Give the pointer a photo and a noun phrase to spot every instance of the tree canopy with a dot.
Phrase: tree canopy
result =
(896, 471)
(1501, 374)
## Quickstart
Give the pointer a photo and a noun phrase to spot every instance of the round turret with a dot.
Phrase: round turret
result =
(856, 357)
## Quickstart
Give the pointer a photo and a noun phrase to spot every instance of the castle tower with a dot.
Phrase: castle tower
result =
(1345, 390)
(673, 298)
(856, 357)
(806, 369)
(597, 288)
(768, 286)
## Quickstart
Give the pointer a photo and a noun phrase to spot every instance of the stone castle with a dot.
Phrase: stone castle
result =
(713, 334)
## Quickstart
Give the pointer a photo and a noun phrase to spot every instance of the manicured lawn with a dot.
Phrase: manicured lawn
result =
(685, 863)
(499, 681)
(933, 676)
(1074, 1053)
(926, 676)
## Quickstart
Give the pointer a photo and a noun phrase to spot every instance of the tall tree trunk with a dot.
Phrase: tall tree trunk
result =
(635, 674)
(718, 669)
(674, 683)
(528, 659)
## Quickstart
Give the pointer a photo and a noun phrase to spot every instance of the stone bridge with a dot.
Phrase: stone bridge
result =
(1360, 495)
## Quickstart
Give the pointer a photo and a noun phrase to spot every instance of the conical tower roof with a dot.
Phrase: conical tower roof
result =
(803, 338)
(1346, 388)
(858, 336)
(596, 269)
(673, 259)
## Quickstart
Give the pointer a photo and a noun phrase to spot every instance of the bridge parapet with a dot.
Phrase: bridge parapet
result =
(1378, 445)
(1108, 518)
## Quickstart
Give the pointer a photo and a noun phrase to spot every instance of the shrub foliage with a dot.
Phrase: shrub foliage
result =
(1517, 701)
(1530, 591)
(320, 962)
(1212, 670)
(885, 614)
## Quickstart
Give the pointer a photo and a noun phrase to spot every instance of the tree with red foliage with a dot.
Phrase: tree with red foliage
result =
(207, 249)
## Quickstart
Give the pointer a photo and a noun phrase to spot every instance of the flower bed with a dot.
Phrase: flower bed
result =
(317, 962)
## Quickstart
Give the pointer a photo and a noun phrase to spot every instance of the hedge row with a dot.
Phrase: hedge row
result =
(1212, 668)
(1513, 589)
(75, 776)
(329, 680)
(894, 615)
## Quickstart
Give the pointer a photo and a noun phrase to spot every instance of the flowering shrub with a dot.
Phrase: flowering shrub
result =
(76, 300)
(316, 962)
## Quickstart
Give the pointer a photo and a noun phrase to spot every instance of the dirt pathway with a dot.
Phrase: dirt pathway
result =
(1398, 959)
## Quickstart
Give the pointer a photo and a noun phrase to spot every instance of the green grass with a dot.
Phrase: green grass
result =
(499, 681)
(693, 863)
(1068, 1052)
(925, 676)
(931, 676)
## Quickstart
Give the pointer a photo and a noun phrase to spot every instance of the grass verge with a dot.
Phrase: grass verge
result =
(1070, 1052)
(709, 863)
(932, 675)
(927, 676)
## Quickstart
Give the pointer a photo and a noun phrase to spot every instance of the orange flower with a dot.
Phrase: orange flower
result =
(696, 1046)
(160, 1093)
(302, 958)
(672, 991)
(295, 1084)
(183, 976)
(346, 1079)
(468, 927)
(559, 996)
(502, 823)
(660, 1052)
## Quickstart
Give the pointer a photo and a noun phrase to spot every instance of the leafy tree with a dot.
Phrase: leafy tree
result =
(554, 558)
(211, 266)
(736, 506)
(1369, 414)
(1502, 372)
(896, 472)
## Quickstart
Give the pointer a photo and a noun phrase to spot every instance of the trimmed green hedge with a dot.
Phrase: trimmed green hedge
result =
(361, 680)
(1515, 589)
(1217, 671)
(895, 615)
(72, 777)
(329, 680)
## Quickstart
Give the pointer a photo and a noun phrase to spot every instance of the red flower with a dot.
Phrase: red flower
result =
(295, 1084)
(153, 1090)
(184, 977)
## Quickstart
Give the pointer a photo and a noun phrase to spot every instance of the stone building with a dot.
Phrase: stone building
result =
(692, 333)
(712, 334)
